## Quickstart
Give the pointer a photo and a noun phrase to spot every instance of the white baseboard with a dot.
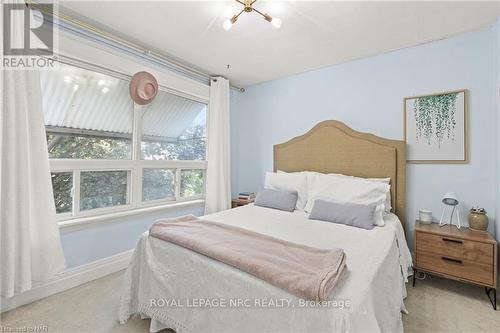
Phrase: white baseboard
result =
(68, 279)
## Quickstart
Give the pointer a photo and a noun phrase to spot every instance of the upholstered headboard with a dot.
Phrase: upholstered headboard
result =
(333, 147)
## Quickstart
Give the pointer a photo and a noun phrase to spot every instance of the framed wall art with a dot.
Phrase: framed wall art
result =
(436, 127)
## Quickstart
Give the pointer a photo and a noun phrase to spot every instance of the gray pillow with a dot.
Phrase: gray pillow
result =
(277, 199)
(356, 215)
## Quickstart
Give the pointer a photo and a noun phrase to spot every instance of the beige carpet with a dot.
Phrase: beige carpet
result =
(435, 305)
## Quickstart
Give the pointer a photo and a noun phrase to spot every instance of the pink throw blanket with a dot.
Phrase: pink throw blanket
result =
(307, 272)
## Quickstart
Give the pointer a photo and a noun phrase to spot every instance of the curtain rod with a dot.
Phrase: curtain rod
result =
(138, 50)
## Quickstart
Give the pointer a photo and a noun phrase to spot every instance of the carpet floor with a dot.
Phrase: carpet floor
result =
(434, 305)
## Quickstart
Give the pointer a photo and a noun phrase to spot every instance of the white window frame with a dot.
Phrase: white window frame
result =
(134, 165)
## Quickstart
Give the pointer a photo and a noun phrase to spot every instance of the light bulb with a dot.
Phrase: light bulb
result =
(227, 25)
(105, 90)
(276, 22)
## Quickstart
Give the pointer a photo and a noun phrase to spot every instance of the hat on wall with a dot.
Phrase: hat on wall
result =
(143, 88)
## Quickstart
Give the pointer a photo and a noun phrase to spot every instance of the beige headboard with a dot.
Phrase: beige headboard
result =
(333, 147)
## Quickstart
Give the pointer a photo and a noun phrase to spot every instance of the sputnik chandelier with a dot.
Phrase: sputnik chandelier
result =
(276, 22)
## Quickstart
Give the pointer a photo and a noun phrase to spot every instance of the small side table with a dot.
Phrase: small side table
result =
(458, 254)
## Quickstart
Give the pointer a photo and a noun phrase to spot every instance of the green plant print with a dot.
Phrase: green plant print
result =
(435, 117)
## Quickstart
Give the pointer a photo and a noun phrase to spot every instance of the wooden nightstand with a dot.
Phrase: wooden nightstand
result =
(462, 255)
(237, 203)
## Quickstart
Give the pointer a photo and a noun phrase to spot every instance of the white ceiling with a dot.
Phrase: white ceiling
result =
(315, 34)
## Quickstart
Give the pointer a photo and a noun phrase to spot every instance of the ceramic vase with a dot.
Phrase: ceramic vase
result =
(478, 221)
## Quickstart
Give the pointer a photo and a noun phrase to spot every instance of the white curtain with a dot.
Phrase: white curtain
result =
(30, 246)
(218, 181)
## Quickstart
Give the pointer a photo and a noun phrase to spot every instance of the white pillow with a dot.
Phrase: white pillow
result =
(341, 188)
(290, 182)
(387, 205)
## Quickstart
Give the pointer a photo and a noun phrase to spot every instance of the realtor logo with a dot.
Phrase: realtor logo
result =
(28, 36)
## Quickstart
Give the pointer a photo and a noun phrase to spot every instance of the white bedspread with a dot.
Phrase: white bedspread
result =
(373, 287)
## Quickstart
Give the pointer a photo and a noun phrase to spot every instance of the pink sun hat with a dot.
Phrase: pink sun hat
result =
(143, 88)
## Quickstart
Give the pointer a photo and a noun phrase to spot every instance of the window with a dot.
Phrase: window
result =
(88, 115)
(99, 189)
(62, 184)
(173, 128)
(158, 184)
(108, 154)
(192, 183)
(86, 147)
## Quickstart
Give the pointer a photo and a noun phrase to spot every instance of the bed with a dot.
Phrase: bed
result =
(189, 292)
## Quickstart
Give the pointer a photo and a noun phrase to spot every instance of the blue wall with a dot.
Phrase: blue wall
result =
(368, 95)
(107, 238)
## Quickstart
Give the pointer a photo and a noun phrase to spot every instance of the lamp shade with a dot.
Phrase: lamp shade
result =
(450, 199)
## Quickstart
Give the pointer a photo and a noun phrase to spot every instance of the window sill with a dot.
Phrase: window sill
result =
(84, 221)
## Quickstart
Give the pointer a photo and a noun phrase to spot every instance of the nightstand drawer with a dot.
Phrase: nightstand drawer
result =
(457, 248)
(460, 268)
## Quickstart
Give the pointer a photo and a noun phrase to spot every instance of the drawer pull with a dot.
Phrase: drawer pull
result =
(452, 240)
(452, 260)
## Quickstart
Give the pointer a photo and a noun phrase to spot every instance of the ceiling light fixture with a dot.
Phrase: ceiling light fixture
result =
(228, 24)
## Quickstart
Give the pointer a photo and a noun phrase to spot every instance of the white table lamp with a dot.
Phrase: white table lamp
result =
(451, 203)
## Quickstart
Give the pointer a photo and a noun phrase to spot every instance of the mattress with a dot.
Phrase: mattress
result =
(189, 292)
